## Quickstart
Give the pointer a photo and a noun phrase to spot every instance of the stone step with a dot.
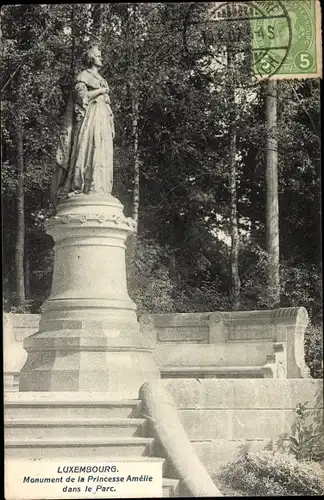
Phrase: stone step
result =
(170, 487)
(22, 405)
(89, 448)
(73, 427)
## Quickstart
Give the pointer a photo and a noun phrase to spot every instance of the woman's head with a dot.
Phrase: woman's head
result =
(92, 57)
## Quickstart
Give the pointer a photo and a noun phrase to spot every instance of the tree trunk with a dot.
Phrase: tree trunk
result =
(235, 277)
(132, 240)
(97, 24)
(236, 283)
(272, 203)
(254, 232)
(136, 188)
(135, 119)
(73, 34)
(20, 234)
(131, 44)
(27, 276)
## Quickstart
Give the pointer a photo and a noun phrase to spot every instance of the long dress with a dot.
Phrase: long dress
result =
(85, 151)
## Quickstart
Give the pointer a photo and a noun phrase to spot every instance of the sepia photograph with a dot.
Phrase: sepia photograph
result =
(161, 249)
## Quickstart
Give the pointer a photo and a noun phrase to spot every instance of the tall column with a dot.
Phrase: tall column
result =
(89, 337)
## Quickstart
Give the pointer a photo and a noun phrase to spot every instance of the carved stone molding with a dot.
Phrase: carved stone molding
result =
(295, 320)
(146, 321)
(101, 218)
(147, 328)
(217, 333)
(290, 312)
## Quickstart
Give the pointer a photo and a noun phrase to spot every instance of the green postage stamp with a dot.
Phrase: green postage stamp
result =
(286, 38)
(279, 39)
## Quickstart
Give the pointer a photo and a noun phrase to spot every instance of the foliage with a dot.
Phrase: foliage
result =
(254, 272)
(182, 262)
(204, 298)
(26, 308)
(307, 440)
(149, 282)
(274, 474)
(301, 284)
(314, 349)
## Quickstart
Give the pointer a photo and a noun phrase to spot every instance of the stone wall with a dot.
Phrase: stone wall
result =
(225, 418)
(243, 344)
(23, 324)
(222, 417)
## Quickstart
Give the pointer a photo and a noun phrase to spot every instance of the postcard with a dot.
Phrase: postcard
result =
(162, 289)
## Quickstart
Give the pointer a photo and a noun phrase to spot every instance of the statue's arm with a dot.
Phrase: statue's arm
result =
(83, 96)
(94, 93)
(107, 100)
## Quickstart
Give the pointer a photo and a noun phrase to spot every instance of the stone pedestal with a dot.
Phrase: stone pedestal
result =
(89, 337)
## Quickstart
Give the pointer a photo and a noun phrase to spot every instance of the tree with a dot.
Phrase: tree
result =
(272, 202)
(31, 100)
(171, 120)
(20, 238)
(236, 283)
(135, 119)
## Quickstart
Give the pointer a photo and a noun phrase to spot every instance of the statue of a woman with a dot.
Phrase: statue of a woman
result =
(85, 152)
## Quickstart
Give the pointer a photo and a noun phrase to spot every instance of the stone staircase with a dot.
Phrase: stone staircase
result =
(55, 427)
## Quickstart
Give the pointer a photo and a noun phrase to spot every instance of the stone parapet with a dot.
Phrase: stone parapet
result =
(246, 344)
(270, 340)
(14, 353)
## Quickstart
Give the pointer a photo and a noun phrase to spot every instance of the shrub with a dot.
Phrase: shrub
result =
(307, 440)
(149, 283)
(274, 474)
(314, 349)
(254, 263)
(25, 308)
(189, 299)
(301, 285)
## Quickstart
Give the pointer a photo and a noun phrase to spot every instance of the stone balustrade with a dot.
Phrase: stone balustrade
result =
(242, 344)
(245, 344)
(16, 327)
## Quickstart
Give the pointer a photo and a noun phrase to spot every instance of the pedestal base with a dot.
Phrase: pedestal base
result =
(89, 337)
(118, 373)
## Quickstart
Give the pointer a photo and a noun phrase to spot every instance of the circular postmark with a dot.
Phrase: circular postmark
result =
(251, 37)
